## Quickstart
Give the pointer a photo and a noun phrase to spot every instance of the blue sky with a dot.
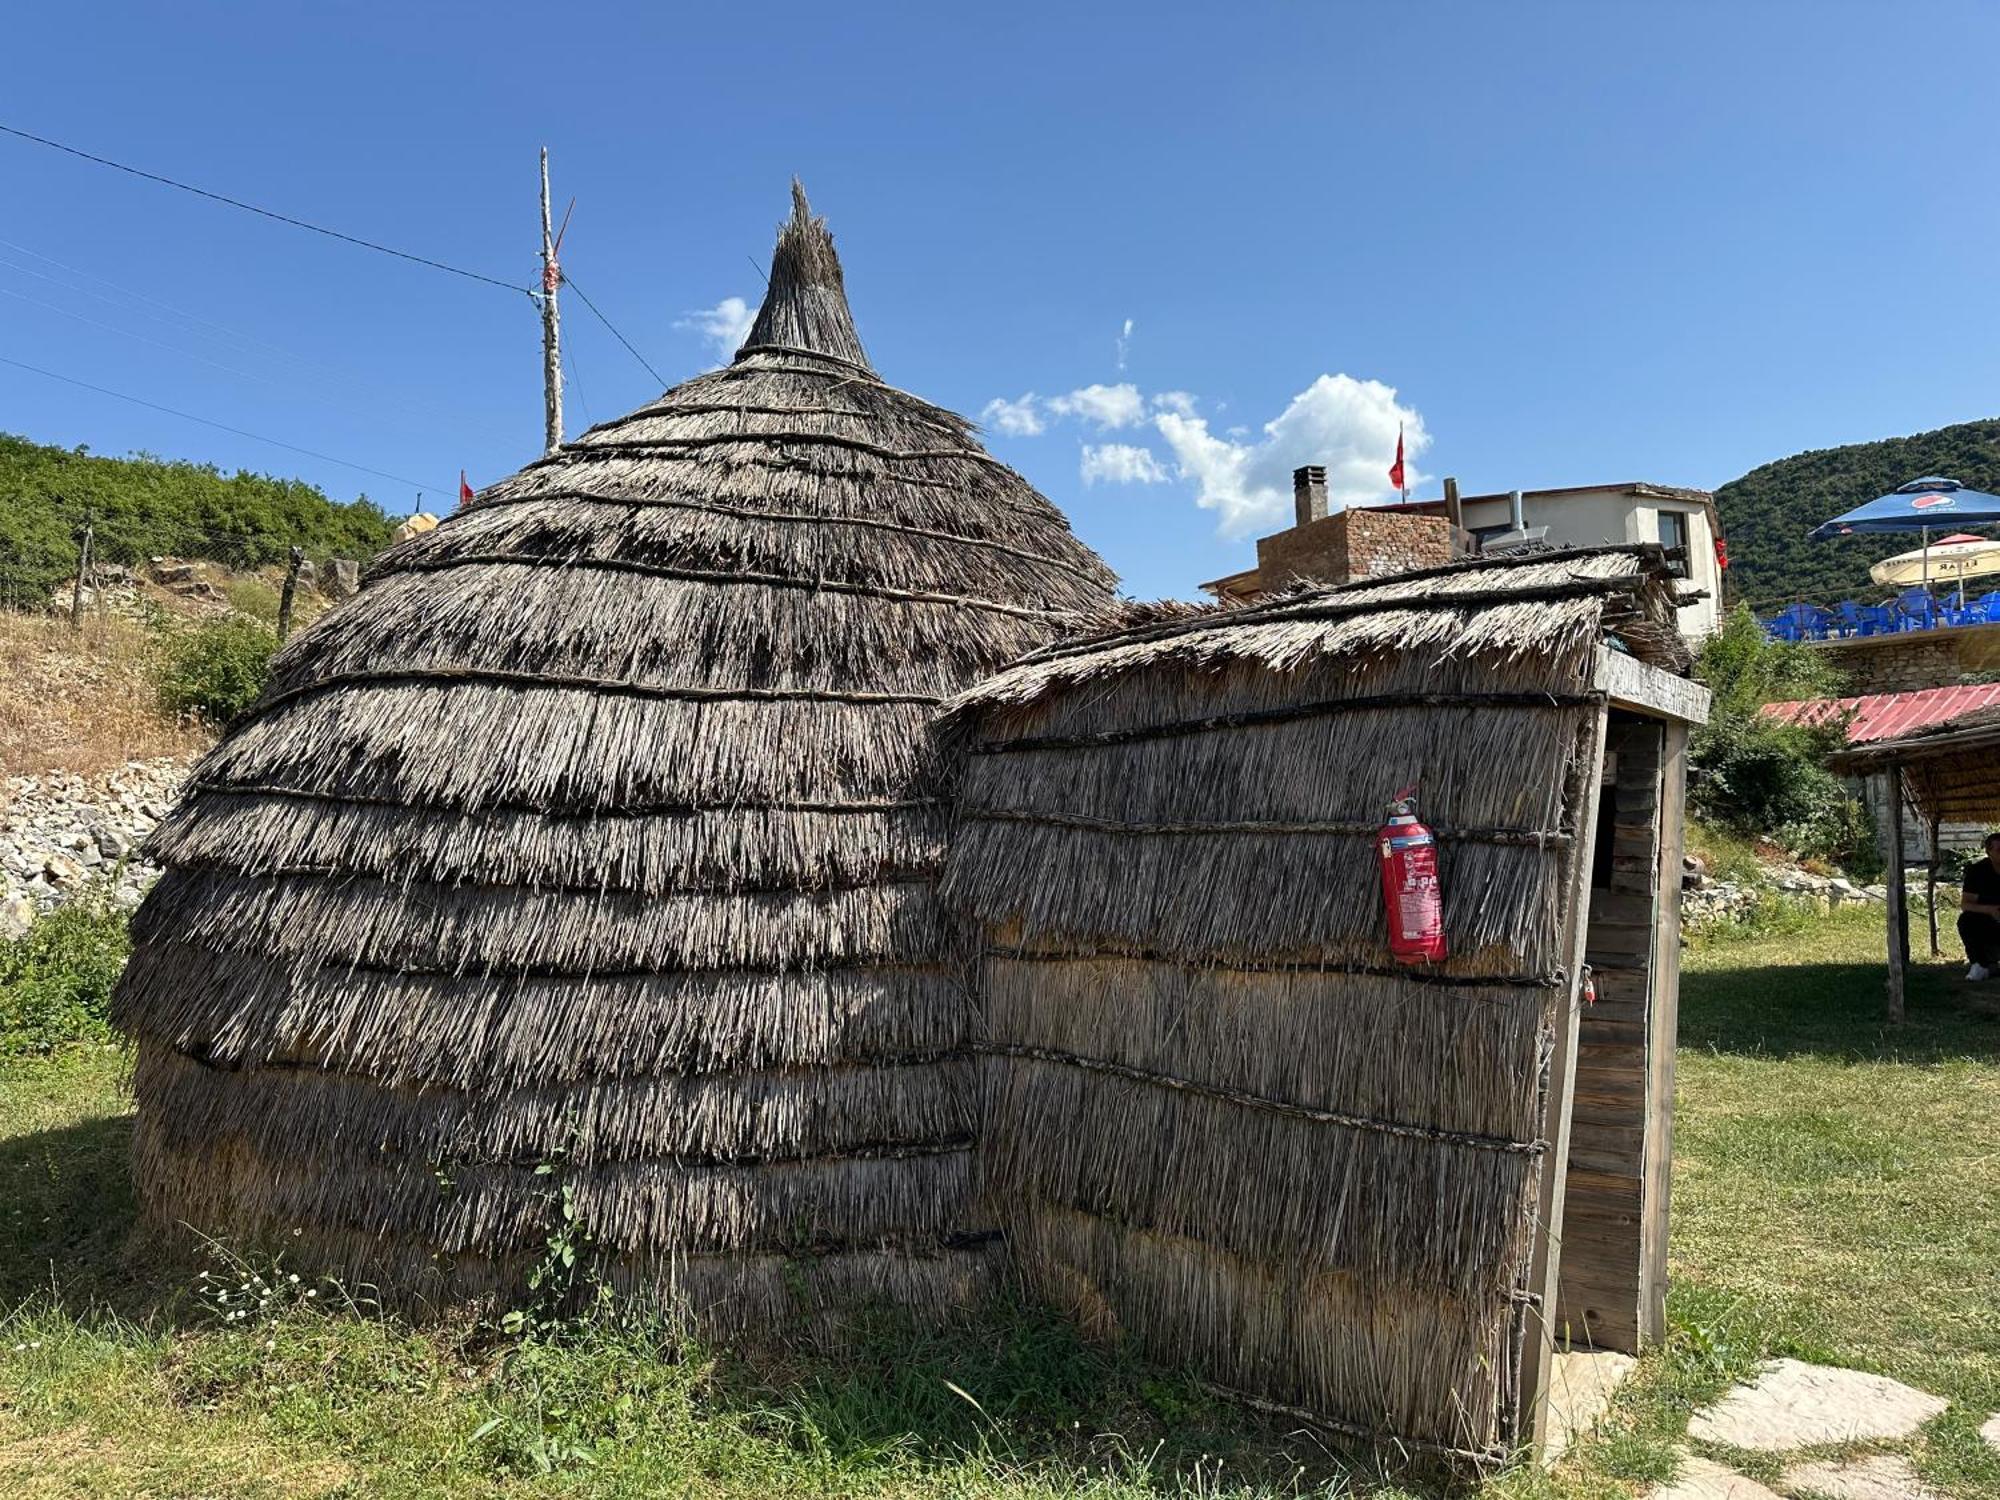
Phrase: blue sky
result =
(1563, 244)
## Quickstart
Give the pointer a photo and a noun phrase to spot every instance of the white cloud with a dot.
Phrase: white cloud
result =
(1015, 418)
(1346, 424)
(1124, 343)
(1174, 401)
(725, 325)
(1121, 463)
(1109, 406)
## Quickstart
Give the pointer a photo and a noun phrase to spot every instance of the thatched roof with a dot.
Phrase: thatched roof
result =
(601, 828)
(1220, 1116)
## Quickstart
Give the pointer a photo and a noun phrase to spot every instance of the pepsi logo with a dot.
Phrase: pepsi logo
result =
(1925, 502)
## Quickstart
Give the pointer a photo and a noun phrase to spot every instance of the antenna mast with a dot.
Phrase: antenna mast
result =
(551, 324)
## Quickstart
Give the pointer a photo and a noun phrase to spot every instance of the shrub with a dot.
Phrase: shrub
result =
(215, 670)
(55, 982)
(143, 506)
(1757, 776)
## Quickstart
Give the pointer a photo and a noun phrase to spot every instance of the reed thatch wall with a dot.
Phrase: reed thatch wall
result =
(1218, 1116)
(602, 829)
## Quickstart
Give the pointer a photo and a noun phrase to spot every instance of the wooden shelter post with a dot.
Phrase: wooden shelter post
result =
(1898, 904)
(1930, 886)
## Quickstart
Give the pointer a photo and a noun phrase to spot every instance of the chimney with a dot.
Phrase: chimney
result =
(1309, 493)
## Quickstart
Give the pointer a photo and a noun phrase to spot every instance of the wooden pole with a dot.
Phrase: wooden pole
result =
(551, 325)
(1930, 886)
(1899, 915)
(1527, 1425)
(289, 592)
(82, 574)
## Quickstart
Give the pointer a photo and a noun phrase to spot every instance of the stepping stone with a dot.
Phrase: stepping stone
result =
(1797, 1405)
(1702, 1479)
(1880, 1476)
(1581, 1385)
(1991, 1431)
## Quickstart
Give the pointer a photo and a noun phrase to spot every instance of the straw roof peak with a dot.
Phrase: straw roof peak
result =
(805, 305)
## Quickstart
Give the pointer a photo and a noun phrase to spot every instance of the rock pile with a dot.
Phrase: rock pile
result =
(1705, 902)
(61, 832)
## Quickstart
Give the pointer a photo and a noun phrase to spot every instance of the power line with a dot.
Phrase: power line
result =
(334, 234)
(570, 282)
(415, 484)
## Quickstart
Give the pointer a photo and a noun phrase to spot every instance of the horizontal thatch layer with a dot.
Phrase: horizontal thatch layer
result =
(1428, 1214)
(737, 1294)
(646, 631)
(1260, 897)
(471, 929)
(693, 529)
(1425, 1367)
(515, 1031)
(654, 853)
(801, 1206)
(920, 1106)
(476, 745)
(1535, 615)
(1381, 1046)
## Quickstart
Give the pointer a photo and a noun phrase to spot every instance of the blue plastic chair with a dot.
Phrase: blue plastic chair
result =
(1801, 622)
(1852, 619)
(1989, 608)
(1917, 609)
(1878, 619)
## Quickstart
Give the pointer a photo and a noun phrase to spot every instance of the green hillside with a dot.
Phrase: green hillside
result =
(145, 507)
(1768, 512)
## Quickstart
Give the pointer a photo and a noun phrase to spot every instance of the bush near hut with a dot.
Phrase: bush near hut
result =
(1761, 778)
(215, 670)
(56, 979)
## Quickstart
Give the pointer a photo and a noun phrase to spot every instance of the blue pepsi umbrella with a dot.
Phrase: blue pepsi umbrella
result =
(1917, 506)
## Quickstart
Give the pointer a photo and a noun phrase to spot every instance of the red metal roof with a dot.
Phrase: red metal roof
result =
(1883, 716)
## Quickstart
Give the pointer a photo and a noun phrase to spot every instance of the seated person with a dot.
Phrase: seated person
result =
(1979, 912)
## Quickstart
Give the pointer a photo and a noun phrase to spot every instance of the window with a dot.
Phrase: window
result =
(1674, 534)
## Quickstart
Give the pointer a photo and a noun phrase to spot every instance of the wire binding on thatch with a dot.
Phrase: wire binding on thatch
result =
(601, 831)
(1218, 1115)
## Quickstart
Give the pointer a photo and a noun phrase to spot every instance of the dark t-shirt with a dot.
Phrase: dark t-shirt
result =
(1982, 882)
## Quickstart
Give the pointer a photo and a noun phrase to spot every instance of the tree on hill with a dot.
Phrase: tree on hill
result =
(1768, 513)
(145, 506)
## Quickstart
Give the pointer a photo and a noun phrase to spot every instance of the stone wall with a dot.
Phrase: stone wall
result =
(1921, 659)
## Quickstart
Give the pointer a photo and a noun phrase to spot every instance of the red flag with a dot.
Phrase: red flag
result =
(1722, 554)
(464, 491)
(1396, 469)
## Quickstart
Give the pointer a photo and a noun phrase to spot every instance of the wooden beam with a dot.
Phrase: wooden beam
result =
(1663, 1039)
(1545, 1261)
(1631, 684)
(1898, 904)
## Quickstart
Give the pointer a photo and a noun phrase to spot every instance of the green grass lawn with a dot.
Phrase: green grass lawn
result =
(1837, 1197)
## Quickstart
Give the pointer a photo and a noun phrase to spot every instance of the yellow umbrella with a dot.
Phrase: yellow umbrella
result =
(1953, 560)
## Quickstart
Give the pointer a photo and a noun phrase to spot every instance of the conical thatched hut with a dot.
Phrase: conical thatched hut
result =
(599, 834)
(1220, 1117)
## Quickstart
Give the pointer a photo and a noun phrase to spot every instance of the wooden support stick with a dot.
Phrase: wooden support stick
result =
(290, 591)
(1899, 916)
(1930, 888)
(82, 575)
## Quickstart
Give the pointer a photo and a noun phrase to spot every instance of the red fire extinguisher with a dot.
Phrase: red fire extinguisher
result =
(1408, 853)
